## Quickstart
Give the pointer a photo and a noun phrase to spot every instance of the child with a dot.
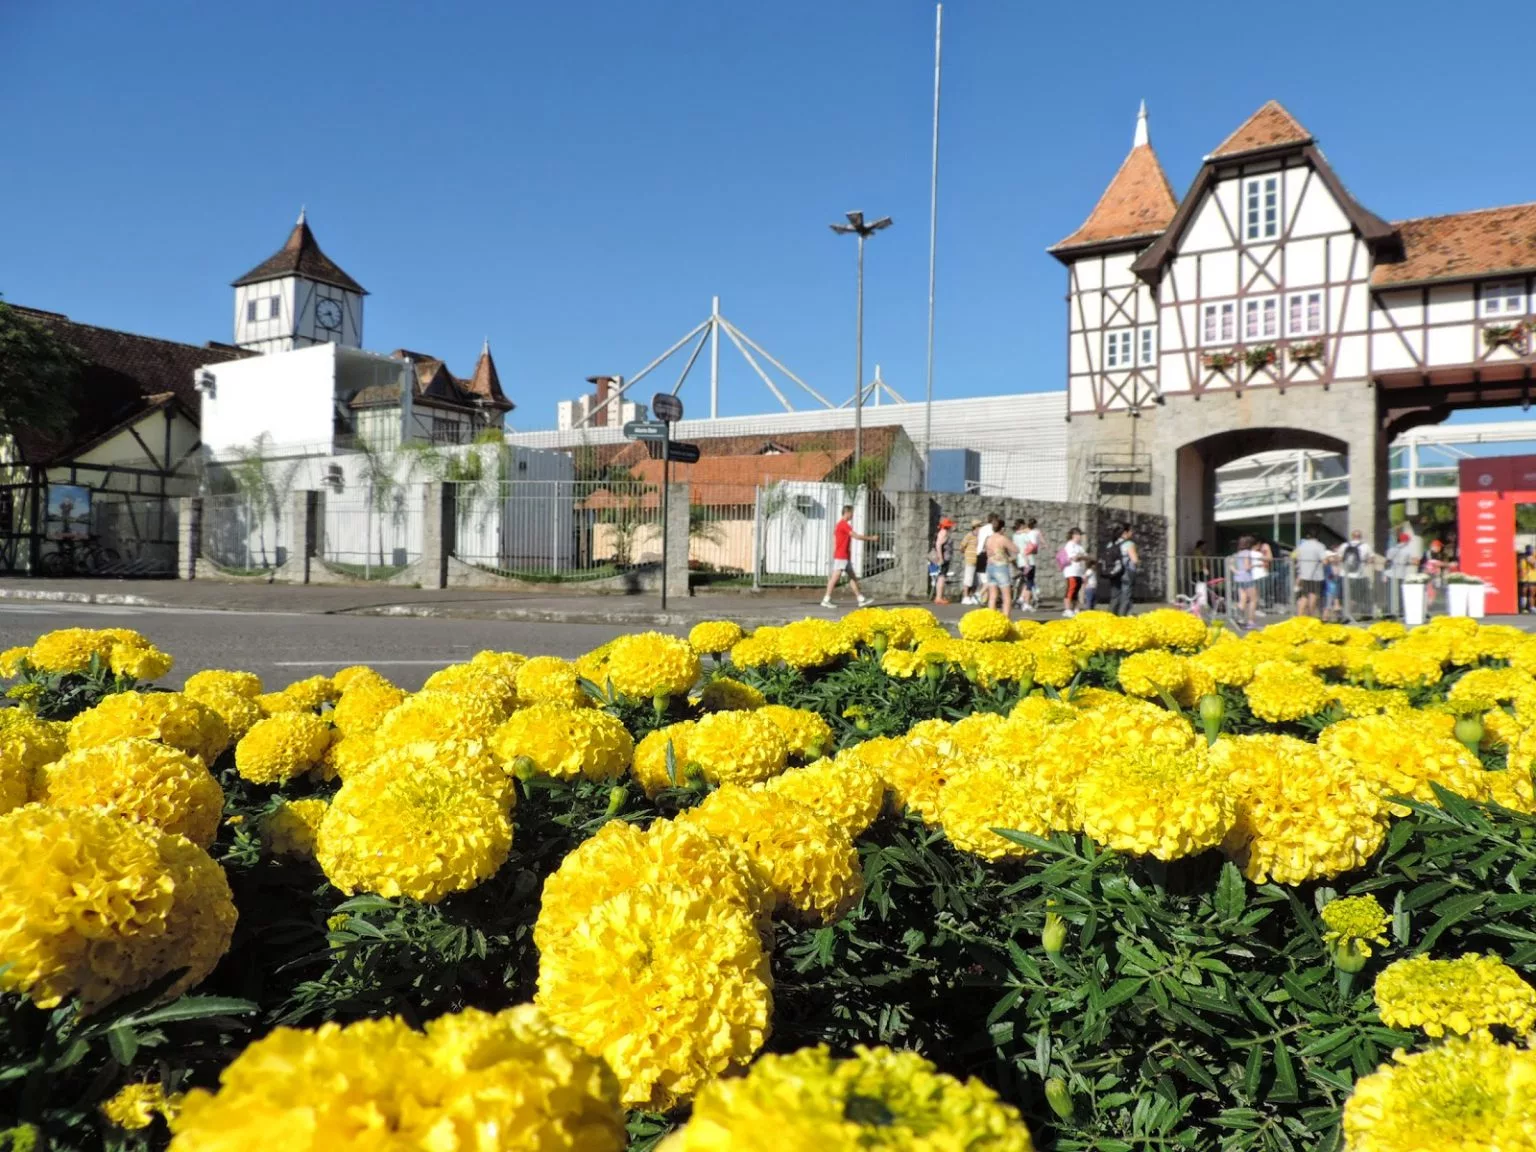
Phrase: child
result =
(969, 546)
(1090, 583)
(1332, 586)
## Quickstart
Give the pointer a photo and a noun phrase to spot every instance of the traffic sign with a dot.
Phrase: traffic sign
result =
(667, 407)
(645, 430)
(682, 453)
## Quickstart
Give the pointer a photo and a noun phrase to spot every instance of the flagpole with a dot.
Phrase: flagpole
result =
(933, 238)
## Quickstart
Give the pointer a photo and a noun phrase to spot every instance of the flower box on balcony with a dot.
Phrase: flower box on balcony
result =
(1514, 336)
(1218, 361)
(1306, 351)
(1260, 356)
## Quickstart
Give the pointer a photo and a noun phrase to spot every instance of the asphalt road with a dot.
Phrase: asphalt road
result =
(282, 647)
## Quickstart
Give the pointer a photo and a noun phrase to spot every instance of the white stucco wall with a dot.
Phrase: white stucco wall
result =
(288, 396)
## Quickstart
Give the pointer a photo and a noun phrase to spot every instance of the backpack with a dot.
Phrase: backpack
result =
(1352, 562)
(1111, 559)
(1062, 559)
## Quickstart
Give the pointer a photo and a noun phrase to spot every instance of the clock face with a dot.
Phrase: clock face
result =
(328, 314)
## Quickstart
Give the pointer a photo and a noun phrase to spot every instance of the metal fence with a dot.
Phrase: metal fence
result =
(372, 534)
(1228, 588)
(557, 530)
(243, 535)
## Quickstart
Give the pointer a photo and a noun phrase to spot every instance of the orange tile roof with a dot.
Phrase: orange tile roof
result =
(728, 481)
(1138, 202)
(1462, 245)
(1271, 125)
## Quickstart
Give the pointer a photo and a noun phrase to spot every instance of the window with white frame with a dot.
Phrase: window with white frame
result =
(1218, 323)
(1261, 318)
(1146, 346)
(1117, 348)
(1261, 207)
(1304, 314)
(1507, 299)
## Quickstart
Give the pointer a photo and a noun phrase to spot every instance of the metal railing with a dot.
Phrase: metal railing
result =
(372, 534)
(244, 535)
(1225, 587)
(557, 530)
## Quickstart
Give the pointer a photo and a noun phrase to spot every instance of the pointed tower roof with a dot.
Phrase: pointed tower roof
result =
(1270, 127)
(485, 383)
(1138, 204)
(300, 255)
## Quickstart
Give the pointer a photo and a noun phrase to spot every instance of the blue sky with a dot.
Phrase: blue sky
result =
(575, 180)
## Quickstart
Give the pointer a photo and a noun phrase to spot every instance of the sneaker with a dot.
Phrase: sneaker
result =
(967, 600)
(825, 603)
(863, 600)
(1068, 613)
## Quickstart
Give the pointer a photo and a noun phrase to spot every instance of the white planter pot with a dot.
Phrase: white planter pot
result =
(1456, 597)
(1476, 597)
(1413, 604)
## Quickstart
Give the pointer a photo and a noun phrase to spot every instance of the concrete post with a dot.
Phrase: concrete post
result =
(437, 520)
(916, 525)
(303, 533)
(189, 536)
(676, 558)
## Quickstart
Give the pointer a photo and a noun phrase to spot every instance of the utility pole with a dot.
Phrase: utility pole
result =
(863, 231)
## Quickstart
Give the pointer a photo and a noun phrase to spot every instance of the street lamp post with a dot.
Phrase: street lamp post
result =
(863, 231)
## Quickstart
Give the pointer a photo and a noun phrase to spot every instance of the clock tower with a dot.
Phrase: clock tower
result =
(296, 298)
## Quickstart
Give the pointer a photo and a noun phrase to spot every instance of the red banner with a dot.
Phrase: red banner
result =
(1490, 490)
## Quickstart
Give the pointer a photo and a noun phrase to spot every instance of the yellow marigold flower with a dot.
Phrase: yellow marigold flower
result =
(736, 747)
(1324, 657)
(135, 1106)
(649, 767)
(723, 694)
(846, 791)
(1231, 664)
(809, 644)
(364, 705)
(1300, 815)
(878, 1099)
(239, 713)
(1152, 801)
(440, 716)
(1355, 923)
(1090, 632)
(915, 618)
(301, 696)
(1481, 688)
(472, 1080)
(70, 650)
(496, 691)
(1280, 691)
(246, 684)
(1403, 758)
(620, 857)
(1171, 628)
(1500, 729)
(1470, 1093)
(980, 796)
(353, 675)
(1367, 701)
(756, 650)
(13, 660)
(807, 862)
(1400, 667)
(1154, 673)
(1055, 666)
(1033, 712)
(711, 637)
(806, 733)
(291, 828)
(30, 739)
(1387, 631)
(1024, 629)
(98, 907)
(347, 755)
(863, 625)
(168, 717)
(143, 662)
(565, 742)
(647, 664)
(903, 664)
(139, 780)
(1005, 662)
(985, 624)
(1469, 993)
(913, 773)
(502, 663)
(550, 680)
(423, 833)
(669, 986)
(282, 746)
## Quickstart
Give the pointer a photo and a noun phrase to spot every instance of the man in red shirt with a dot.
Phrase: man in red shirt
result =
(843, 537)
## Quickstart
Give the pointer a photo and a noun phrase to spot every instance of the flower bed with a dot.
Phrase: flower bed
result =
(1093, 884)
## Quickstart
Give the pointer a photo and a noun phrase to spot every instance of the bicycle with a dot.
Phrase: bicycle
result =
(78, 556)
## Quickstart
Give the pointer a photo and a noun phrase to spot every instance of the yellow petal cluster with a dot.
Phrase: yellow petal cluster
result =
(470, 1081)
(711, 637)
(135, 1106)
(648, 664)
(981, 796)
(724, 694)
(737, 747)
(985, 624)
(1153, 801)
(805, 732)
(844, 791)
(307, 695)
(565, 742)
(649, 767)
(246, 684)
(138, 780)
(1281, 691)
(809, 644)
(284, 745)
(1469, 993)
(550, 680)
(1355, 922)
(363, 706)
(168, 717)
(292, 828)
(439, 715)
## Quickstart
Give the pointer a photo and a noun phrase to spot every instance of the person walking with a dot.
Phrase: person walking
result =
(942, 557)
(1030, 541)
(1073, 560)
(1527, 579)
(1332, 587)
(1125, 564)
(1000, 552)
(1240, 574)
(969, 553)
(843, 537)
(1355, 561)
(1310, 557)
(1263, 564)
(1090, 593)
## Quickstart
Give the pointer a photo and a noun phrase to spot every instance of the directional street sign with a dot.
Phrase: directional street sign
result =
(665, 406)
(645, 430)
(682, 453)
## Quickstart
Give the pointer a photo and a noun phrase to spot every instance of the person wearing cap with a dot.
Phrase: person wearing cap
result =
(941, 557)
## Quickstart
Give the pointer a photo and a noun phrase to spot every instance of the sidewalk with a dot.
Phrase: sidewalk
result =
(780, 607)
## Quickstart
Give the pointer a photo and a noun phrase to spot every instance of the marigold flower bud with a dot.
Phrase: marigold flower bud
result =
(1057, 1096)
(1213, 711)
(1054, 936)
(1469, 730)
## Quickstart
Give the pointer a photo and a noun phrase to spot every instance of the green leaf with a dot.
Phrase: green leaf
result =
(124, 1043)
(192, 1008)
(1231, 893)
(1285, 1087)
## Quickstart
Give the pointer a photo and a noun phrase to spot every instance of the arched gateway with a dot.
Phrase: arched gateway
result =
(1269, 309)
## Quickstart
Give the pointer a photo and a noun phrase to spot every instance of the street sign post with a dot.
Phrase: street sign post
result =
(666, 407)
(645, 430)
(682, 453)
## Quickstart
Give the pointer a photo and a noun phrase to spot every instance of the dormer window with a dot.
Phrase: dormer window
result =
(1261, 207)
(1506, 299)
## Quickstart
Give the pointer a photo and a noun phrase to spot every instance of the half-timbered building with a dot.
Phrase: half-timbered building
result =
(1268, 308)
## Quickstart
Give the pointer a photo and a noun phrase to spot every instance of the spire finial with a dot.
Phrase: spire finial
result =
(301, 213)
(1141, 127)
(485, 349)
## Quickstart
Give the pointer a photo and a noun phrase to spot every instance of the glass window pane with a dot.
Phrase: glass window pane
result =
(1228, 321)
(1315, 312)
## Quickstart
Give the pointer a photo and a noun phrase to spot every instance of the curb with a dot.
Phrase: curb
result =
(123, 599)
(550, 615)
